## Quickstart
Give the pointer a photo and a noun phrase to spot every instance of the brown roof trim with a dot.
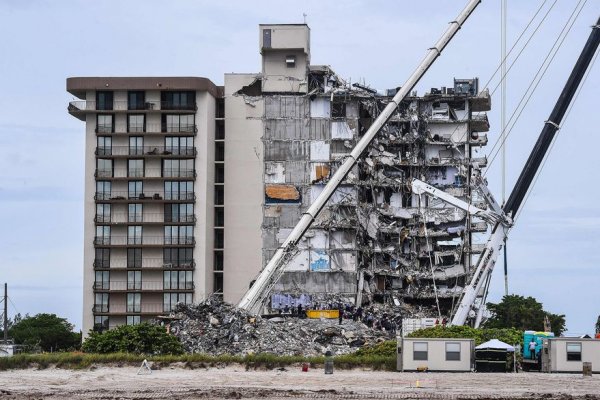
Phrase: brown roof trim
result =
(77, 86)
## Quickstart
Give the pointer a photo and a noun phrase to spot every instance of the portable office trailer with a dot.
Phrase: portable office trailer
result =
(439, 354)
(566, 354)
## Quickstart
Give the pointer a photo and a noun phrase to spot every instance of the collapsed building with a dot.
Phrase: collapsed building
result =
(375, 240)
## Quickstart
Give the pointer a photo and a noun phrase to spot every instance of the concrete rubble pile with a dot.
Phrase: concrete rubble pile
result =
(214, 327)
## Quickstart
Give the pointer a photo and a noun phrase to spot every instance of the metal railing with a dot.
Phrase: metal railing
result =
(146, 151)
(152, 195)
(124, 105)
(158, 217)
(144, 240)
(151, 128)
(115, 286)
(145, 173)
(144, 263)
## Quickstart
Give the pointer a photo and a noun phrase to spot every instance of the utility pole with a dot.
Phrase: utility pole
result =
(5, 312)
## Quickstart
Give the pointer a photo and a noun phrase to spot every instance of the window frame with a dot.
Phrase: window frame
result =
(453, 352)
(423, 355)
(570, 354)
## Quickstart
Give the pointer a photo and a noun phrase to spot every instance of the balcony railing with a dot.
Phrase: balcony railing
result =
(100, 308)
(146, 173)
(159, 217)
(161, 195)
(144, 240)
(145, 151)
(142, 286)
(124, 105)
(144, 308)
(144, 263)
(151, 128)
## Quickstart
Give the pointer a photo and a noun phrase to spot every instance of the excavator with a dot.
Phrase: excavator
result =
(500, 218)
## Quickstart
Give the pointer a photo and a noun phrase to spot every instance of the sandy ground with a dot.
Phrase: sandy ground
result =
(235, 382)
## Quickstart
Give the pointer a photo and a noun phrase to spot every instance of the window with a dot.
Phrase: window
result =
(338, 109)
(100, 323)
(135, 168)
(104, 146)
(218, 260)
(219, 217)
(219, 151)
(104, 168)
(104, 100)
(178, 257)
(103, 190)
(134, 234)
(178, 168)
(102, 235)
(179, 212)
(102, 213)
(133, 320)
(101, 302)
(219, 239)
(219, 130)
(171, 299)
(134, 302)
(452, 351)
(178, 100)
(102, 259)
(136, 123)
(134, 258)
(182, 280)
(420, 351)
(290, 61)
(102, 281)
(134, 212)
(179, 145)
(134, 280)
(218, 283)
(220, 111)
(219, 173)
(135, 100)
(104, 123)
(573, 351)
(135, 190)
(179, 190)
(178, 123)
(136, 145)
(219, 195)
(179, 234)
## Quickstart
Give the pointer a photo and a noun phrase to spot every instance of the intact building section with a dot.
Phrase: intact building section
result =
(149, 195)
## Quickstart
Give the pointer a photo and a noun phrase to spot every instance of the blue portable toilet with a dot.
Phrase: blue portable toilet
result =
(538, 337)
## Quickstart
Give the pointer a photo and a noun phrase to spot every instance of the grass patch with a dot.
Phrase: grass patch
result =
(78, 360)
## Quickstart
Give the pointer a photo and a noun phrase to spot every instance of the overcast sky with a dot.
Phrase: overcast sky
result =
(553, 249)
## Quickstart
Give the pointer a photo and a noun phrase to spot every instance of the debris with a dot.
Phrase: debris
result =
(285, 335)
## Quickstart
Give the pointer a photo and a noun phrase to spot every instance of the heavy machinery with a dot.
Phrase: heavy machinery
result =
(472, 302)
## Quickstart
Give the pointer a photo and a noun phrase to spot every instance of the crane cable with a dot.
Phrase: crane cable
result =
(538, 76)
(557, 133)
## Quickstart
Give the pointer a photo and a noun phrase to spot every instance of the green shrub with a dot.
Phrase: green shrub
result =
(138, 339)
(507, 335)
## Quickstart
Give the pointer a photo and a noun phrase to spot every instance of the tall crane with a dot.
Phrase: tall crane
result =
(501, 218)
(256, 295)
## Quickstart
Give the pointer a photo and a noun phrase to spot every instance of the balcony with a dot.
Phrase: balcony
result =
(123, 309)
(143, 218)
(140, 286)
(179, 129)
(125, 196)
(125, 241)
(78, 107)
(147, 263)
(145, 151)
(157, 173)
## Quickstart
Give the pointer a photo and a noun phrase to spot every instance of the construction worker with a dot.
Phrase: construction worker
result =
(532, 345)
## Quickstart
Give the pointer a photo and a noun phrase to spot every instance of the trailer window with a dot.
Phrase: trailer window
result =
(573, 351)
(452, 351)
(420, 351)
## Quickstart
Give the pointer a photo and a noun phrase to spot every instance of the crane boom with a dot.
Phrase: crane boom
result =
(254, 297)
(487, 260)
